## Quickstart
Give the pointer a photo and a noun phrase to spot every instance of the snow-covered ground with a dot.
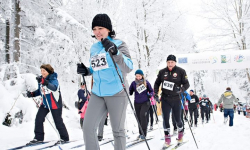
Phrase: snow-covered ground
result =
(212, 136)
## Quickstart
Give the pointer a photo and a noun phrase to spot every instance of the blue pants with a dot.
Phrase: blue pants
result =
(229, 112)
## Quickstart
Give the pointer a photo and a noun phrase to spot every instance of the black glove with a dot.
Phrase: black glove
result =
(82, 69)
(79, 112)
(44, 82)
(157, 98)
(39, 79)
(29, 94)
(179, 90)
(109, 46)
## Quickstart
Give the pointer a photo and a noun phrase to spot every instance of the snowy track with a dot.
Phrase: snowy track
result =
(211, 136)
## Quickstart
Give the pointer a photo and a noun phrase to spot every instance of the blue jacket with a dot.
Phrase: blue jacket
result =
(52, 92)
(143, 96)
(106, 80)
(188, 97)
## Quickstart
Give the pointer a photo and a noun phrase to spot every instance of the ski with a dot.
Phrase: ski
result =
(179, 145)
(135, 142)
(50, 146)
(166, 147)
(106, 141)
(31, 145)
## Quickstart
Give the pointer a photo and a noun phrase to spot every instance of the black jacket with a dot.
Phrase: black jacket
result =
(170, 80)
(192, 104)
(204, 103)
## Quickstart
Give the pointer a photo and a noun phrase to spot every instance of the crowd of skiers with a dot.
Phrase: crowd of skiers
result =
(110, 63)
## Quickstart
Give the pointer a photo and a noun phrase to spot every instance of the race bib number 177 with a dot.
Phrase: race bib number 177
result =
(99, 62)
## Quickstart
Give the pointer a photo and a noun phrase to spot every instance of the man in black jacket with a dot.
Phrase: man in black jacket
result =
(192, 106)
(173, 81)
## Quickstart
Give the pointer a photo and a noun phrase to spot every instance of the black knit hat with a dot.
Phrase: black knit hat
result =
(171, 57)
(102, 20)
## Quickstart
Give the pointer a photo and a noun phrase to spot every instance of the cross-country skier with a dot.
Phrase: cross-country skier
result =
(49, 90)
(83, 97)
(143, 92)
(228, 99)
(174, 81)
(108, 95)
(204, 102)
(192, 106)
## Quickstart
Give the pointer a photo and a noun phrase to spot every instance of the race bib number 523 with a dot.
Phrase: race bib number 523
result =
(168, 85)
(99, 62)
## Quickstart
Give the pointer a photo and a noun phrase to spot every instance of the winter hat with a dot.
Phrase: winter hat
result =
(102, 20)
(139, 71)
(192, 91)
(171, 57)
(48, 68)
(204, 95)
(228, 89)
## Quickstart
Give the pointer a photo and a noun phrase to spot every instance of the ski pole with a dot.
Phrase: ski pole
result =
(45, 116)
(188, 121)
(157, 118)
(111, 55)
(51, 113)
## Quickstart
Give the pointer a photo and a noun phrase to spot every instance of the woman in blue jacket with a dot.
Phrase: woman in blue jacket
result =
(143, 92)
(49, 90)
(108, 95)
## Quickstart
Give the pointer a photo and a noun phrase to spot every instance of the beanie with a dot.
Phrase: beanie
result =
(102, 20)
(139, 71)
(171, 57)
(192, 91)
(204, 95)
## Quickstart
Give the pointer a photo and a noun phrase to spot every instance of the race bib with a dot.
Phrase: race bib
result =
(186, 103)
(99, 62)
(192, 100)
(168, 85)
(141, 88)
(204, 104)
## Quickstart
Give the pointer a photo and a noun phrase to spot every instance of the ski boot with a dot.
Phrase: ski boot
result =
(167, 141)
(142, 138)
(61, 141)
(34, 141)
(180, 137)
(151, 128)
(202, 121)
(100, 138)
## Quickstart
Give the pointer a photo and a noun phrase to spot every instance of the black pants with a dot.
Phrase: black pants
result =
(193, 112)
(141, 110)
(174, 122)
(204, 111)
(168, 104)
(151, 115)
(57, 116)
(244, 112)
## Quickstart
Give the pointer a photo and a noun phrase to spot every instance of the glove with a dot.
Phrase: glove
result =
(82, 69)
(45, 82)
(109, 46)
(39, 79)
(149, 95)
(79, 112)
(157, 99)
(179, 90)
(29, 94)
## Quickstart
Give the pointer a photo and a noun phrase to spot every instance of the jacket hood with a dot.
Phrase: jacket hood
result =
(228, 94)
(52, 76)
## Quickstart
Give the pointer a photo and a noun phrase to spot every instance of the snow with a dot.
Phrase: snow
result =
(214, 135)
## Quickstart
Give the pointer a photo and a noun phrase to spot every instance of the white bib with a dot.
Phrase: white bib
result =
(204, 104)
(99, 62)
(168, 85)
(141, 88)
(192, 100)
